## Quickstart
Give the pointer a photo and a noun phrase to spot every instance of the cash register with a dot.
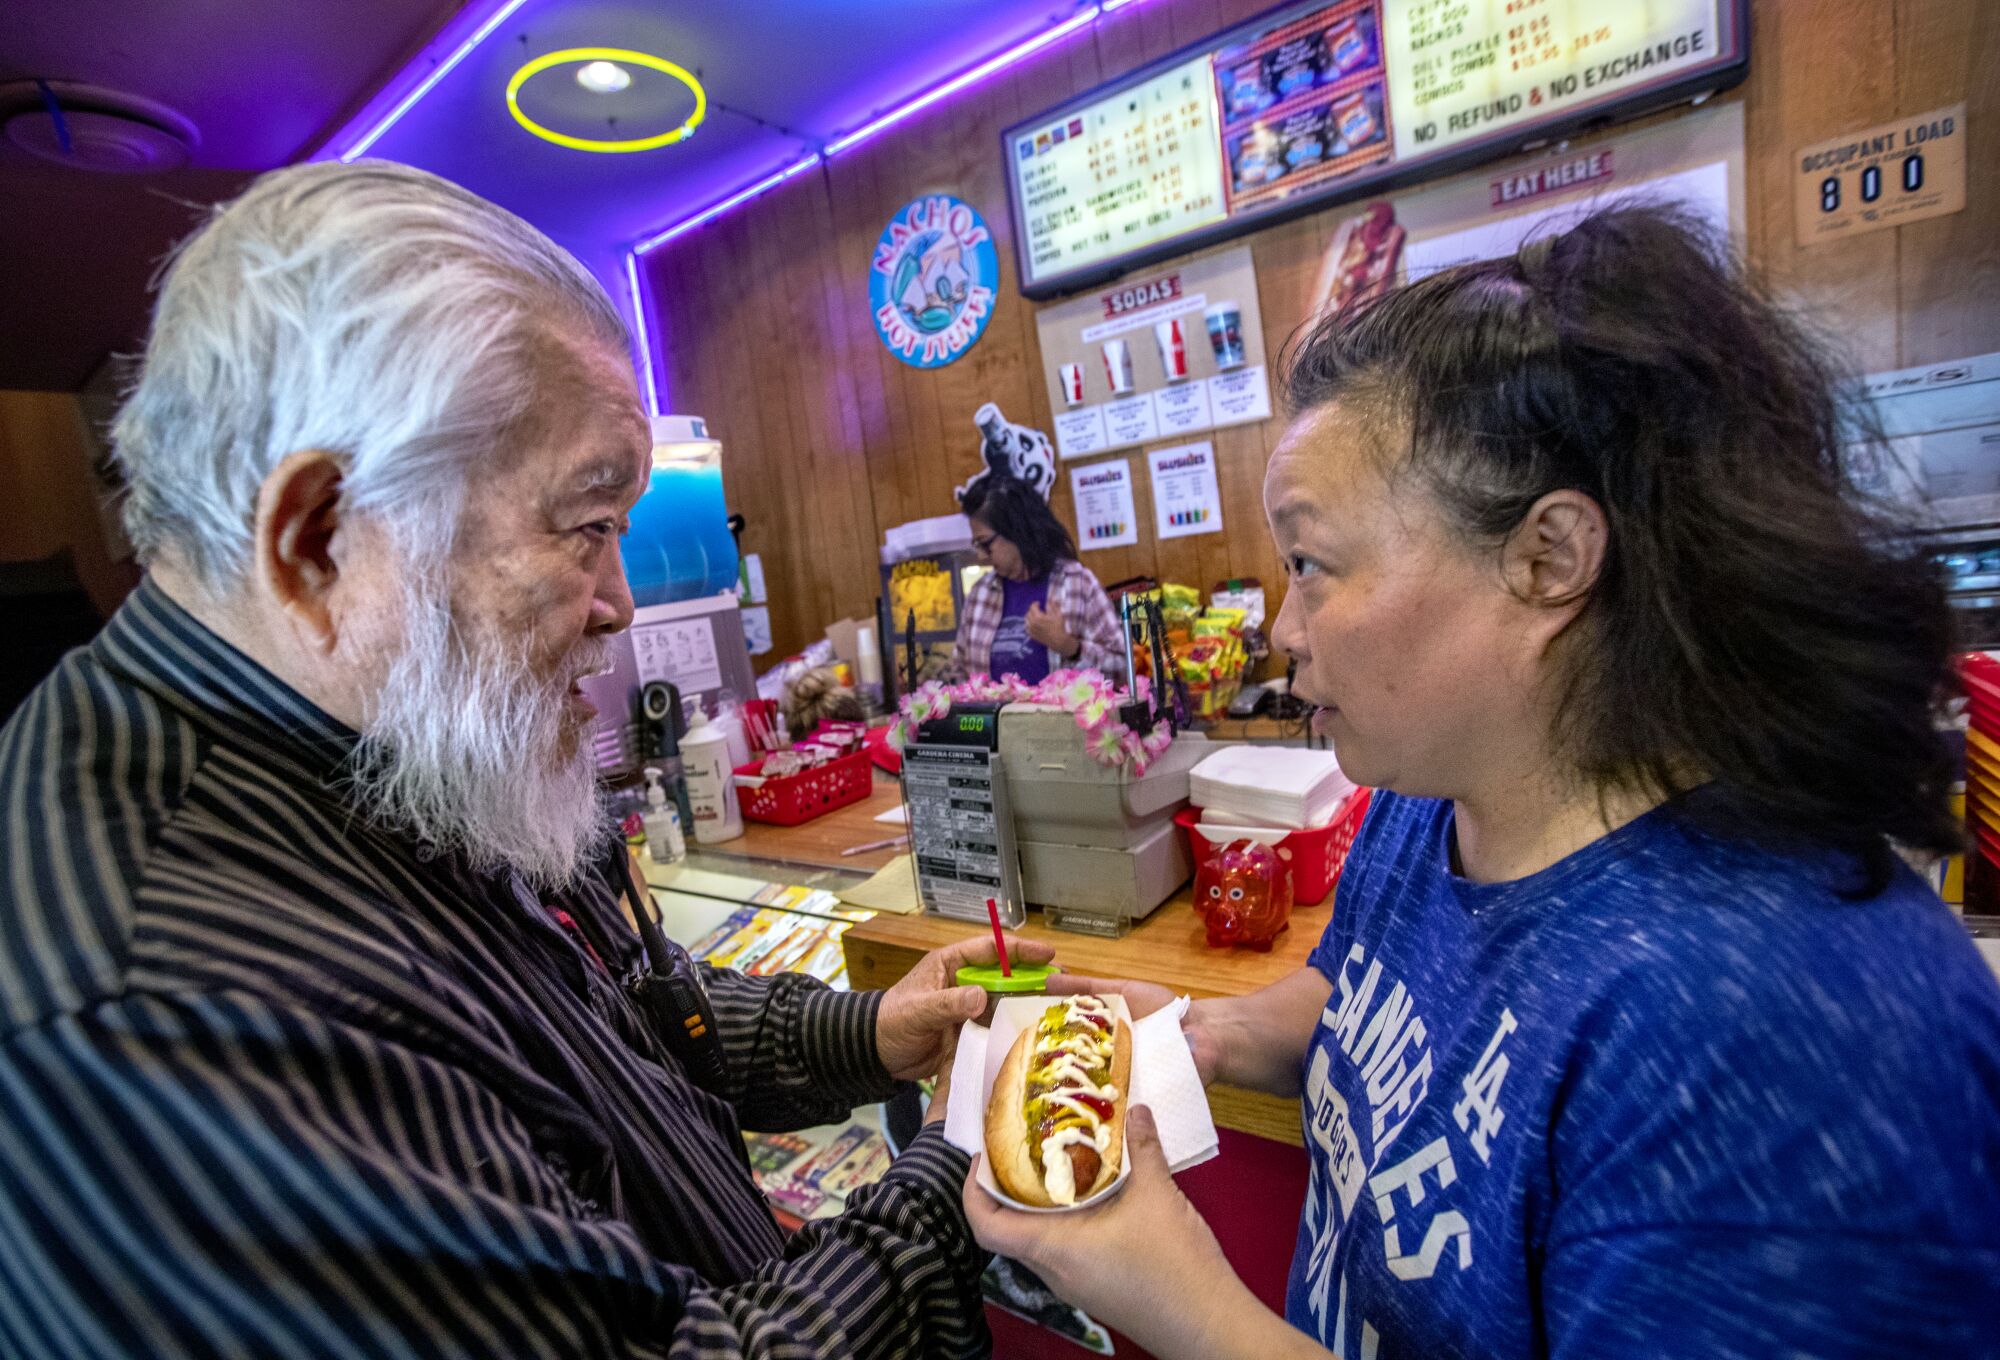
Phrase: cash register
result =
(1005, 803)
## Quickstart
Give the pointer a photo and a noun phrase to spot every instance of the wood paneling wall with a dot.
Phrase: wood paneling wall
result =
(763, 327)
(49, 500)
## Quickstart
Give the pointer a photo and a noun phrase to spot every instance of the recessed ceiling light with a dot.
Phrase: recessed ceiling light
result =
(603, 77)
(616, 59)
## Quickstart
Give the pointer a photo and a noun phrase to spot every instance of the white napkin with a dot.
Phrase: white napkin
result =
(1163, 1079)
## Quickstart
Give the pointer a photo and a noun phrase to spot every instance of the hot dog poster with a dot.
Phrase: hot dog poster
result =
(1170, 352)
(1695, 160)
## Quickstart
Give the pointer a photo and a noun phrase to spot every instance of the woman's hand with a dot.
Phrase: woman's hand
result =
(1048, 627)
(1143, 998)
(1144, 1262)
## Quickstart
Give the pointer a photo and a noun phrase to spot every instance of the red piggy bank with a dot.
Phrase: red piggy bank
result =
(1243, 894)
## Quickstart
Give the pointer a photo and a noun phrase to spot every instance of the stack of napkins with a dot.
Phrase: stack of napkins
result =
(1280, 786)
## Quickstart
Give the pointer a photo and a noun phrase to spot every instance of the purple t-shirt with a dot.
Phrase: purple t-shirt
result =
(1014, 652)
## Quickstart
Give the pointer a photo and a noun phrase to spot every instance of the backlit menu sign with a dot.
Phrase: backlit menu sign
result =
(1317, 102)
(1129, 172)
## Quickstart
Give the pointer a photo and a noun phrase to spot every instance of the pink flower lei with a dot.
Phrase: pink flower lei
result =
(1086, 695)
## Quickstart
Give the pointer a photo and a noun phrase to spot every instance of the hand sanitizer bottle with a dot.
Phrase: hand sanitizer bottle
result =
(711, 783)
(665, 840)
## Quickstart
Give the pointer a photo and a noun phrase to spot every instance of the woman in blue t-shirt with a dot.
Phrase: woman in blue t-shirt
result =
(1631, 1035)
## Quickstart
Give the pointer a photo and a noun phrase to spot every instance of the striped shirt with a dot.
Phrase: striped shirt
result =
(274, 1081)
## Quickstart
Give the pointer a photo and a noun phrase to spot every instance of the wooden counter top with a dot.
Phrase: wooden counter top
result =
(820, 841)
(1167, 947)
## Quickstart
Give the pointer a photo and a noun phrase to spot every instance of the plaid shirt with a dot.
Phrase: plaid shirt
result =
(277, 1082)
(1086, 611)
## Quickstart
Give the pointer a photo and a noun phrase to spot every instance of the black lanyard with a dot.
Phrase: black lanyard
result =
(670, 991)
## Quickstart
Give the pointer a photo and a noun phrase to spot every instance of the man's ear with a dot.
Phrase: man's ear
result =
(298, 515)
(1554, 555)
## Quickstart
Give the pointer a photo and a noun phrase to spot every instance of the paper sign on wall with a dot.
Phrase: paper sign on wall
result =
(1106, 515)
(1186, 499)
(1887, 176)
(1695, 160)
(1157, 357)
(681, 651)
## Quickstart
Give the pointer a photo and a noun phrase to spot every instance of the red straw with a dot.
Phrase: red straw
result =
(999, 940)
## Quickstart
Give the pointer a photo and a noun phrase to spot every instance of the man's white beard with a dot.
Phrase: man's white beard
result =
(465, 749)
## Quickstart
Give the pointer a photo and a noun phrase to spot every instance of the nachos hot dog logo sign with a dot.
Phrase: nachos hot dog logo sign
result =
(933, 281)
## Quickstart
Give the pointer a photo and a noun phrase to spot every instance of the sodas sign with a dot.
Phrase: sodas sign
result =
(933, 280)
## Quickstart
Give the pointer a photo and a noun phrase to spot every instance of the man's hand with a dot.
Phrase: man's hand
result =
(917, 1027)
(1048, 627)
(1143, 998)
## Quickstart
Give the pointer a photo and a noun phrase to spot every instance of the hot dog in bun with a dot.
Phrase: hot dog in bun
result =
(1055, 1124)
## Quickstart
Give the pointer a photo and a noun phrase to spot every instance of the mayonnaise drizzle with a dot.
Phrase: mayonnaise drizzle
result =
(1066, 1069)
(1080, 1006)
(1058, 1176)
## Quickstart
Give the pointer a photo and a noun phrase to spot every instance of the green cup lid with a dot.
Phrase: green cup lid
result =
(1028, 977)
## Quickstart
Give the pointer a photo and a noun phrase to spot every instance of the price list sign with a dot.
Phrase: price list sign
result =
(961, 829)
(1460, 70)
(1334, 99)
(1138, 169)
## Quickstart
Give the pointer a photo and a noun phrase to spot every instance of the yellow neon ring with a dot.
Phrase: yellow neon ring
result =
(575, 54)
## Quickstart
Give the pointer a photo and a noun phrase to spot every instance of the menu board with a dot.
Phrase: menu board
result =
(1129, 172)
(1316, 102)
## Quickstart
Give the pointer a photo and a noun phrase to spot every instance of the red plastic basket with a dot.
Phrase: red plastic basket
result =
(788, 800)
(1316, 856)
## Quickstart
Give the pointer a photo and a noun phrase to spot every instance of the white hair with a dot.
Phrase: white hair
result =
(471, 753)
(370, 310)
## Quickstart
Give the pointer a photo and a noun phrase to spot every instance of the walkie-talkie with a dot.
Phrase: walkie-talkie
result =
(670, 989)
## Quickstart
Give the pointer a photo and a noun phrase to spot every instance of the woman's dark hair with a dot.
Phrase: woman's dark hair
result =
(1017, 512)
(1759, 626)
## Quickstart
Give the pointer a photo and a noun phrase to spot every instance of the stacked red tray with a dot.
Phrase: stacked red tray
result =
(1981, 676)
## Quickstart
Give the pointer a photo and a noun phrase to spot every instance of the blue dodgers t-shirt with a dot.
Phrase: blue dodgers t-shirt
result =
(1671, 1096)
(1014, 652)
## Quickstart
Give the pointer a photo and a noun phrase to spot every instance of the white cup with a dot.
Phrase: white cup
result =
(1072, 383)
(1118, 366)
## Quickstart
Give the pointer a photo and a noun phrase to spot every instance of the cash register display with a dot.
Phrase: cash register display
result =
(961, 830)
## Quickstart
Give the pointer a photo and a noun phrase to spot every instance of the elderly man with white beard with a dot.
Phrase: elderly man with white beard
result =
(320, 1032)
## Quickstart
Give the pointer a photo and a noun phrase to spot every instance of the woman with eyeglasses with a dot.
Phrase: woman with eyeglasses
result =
(1039, 609)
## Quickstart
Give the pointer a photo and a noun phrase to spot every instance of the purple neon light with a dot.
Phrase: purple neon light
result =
(714, 210)
(641, 324)
(966, 78)
(943, 90)
(429, 82)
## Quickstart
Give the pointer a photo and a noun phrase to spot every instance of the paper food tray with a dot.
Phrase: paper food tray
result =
(1163, 1079)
